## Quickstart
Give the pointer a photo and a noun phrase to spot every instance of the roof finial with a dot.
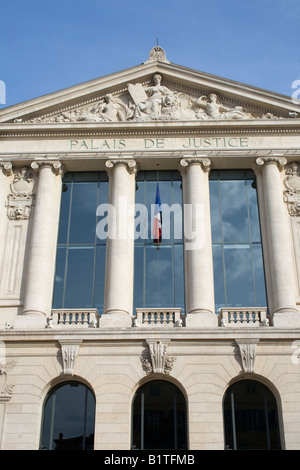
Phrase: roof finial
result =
(157, 54)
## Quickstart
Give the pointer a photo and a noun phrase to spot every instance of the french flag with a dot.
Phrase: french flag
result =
(157, 222)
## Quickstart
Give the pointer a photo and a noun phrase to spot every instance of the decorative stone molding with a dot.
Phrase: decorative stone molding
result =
(157, 54)
(56, 166)
(21, 198)
(292, 193)
(5, 390)
(190, 159)
(69, 351)
(131, 164)
(279, 161)
(157, 102)
(247, 349)
(6, 168)
(157, 360)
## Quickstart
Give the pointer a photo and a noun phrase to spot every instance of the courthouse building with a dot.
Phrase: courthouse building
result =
(112, 338)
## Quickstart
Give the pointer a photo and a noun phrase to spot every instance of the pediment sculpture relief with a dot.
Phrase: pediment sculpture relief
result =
(155, 103)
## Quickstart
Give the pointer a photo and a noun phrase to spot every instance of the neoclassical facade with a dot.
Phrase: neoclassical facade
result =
(112, 339)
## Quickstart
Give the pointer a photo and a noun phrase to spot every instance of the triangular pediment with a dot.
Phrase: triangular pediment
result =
(156, 90)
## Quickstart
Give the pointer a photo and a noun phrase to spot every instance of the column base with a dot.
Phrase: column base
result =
(30, 321)
(116, 319)
(288, 319)
(201, 319)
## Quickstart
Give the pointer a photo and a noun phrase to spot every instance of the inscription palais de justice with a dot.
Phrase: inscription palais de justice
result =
(159, 143)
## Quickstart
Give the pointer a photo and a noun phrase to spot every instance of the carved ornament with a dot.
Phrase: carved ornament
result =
(292, 193)
(21, 198)
(155, 102)
(5, 390)
(69, 351)
(157, 360)
(55, 165)
(247, 348)
(130, 163)
(203, 161)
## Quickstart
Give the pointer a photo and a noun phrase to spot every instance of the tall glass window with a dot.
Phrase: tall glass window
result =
(237, 249)
(159, 417)
(68, 418)
(80, 261)
(250, 417)
(159, 279)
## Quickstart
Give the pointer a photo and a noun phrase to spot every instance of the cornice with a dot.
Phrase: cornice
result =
(53, 130)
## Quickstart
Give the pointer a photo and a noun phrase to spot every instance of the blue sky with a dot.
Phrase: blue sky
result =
(46, 46)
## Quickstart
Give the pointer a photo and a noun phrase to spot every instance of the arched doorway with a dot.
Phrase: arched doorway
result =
(68, 418)
(159, 417)
(250, 417)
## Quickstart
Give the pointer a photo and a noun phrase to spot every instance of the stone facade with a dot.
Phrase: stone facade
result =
(181, 119)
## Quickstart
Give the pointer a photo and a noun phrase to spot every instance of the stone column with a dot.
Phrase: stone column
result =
(197, 243)
(281, 265)
(119, 273)
(42, 249)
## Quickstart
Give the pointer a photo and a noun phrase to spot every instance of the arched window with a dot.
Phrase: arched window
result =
(68, 418)
(159, 417)
(250, 417)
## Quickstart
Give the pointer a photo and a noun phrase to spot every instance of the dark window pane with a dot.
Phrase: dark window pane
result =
(159, 417)
(237, 252)
(215, 211)
(69, 418)
(79, 278)
(79, 282)
(83, 213)
(99, 278)
(239, 276)
(59, 284)
(64, 213)
(219, 281)
(250, 417)
(234, 212)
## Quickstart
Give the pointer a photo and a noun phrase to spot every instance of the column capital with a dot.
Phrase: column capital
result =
(204, 162)
(130, 163)
(279, 161)
(55, 165)
(6, 168)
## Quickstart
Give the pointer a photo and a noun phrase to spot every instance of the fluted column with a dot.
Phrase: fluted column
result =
(281, 265)
(199, 283)
(42, 249)
(119, 273)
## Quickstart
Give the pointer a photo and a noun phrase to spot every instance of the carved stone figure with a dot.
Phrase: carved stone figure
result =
(216, 110)
(152, 103)
(153, 100)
